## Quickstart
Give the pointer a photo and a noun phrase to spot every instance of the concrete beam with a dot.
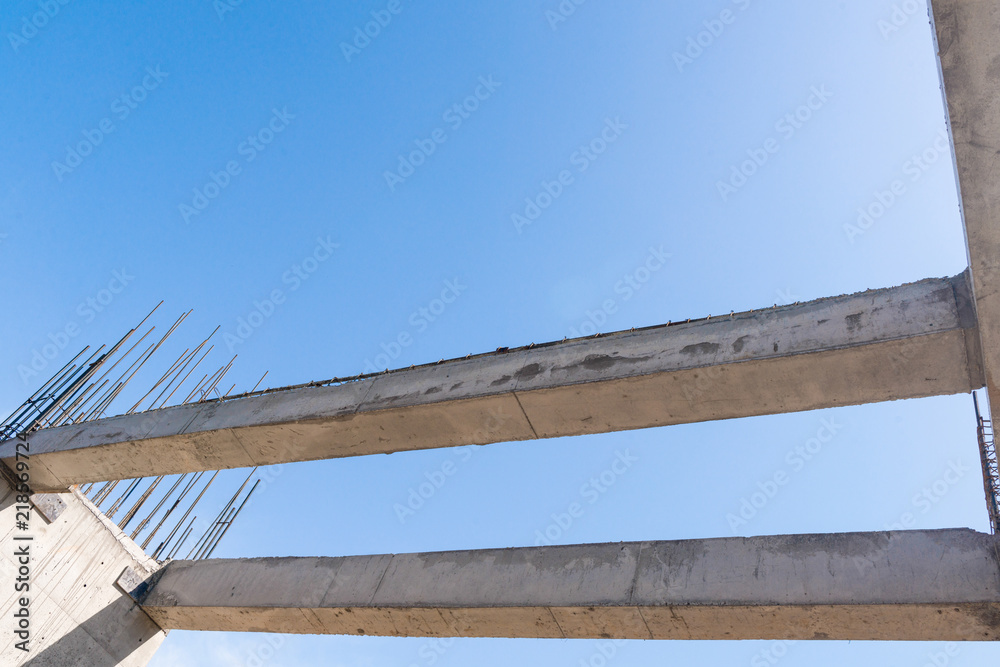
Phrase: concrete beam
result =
(911, 585)
(969, 51)
(880, 345)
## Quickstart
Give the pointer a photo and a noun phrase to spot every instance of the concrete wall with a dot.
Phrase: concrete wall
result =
(909, 585)
(904, 342)
(78, 617)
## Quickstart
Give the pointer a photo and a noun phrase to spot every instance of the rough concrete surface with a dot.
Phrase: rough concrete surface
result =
(904, 342)
(967, 36)
(928, 338)
(77, 617)
(926, 585)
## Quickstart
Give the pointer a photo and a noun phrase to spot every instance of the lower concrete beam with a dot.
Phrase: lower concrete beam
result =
(910, 585)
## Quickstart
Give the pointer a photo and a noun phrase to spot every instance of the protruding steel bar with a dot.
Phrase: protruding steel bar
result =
(181, 360)
(118, 503)
(78, 404)
(167, 541)
(212, 531)
(142, 524)
(158, 344)
(203, 542)
(183, 538)
(93, 365)
(233, 519)
(68, 388)
(105, 491)
(104, 400)
(195, 390)
(187, 488)
(259, 381)
(16, 418)
(225, 370)
(139, 503)
(181, 383)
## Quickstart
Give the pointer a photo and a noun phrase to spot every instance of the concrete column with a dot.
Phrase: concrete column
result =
(968, 42)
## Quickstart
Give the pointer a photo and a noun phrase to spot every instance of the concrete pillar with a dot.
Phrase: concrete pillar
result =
(969, 50)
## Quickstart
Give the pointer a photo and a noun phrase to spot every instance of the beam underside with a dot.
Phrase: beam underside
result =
(905, 342)
(909, 585)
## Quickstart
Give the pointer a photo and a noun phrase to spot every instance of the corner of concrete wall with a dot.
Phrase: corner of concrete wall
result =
(77, 616)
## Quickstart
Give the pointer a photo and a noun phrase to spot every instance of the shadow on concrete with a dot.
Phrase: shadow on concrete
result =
(119, 634)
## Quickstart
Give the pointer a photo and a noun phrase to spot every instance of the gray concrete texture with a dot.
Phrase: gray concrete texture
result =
(77, 616)
(927, 338)
(911, 341)
(967, 36)
(908, 585)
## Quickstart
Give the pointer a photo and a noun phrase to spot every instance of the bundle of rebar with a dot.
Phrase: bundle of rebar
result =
(76, 394)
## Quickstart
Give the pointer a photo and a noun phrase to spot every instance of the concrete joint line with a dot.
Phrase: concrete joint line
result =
(380, 579)
(556, 621)
(239, 442)
(526, 418)
(635, 575)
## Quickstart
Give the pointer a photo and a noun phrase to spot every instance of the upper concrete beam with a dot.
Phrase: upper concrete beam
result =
(904, 342)
(968, 40)
(912, 585)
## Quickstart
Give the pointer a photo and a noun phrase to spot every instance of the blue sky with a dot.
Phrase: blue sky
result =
(214, 155)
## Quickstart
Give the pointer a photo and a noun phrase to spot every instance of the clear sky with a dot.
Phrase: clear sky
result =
(526, 161)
